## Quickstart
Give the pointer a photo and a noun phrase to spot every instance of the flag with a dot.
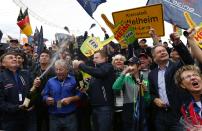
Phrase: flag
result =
(67, 29)
(92, 26)
(139, 109)
(35, 37)
(90, 5)
(174, 11)
(24, 23)
(20, 16)
(40, 45)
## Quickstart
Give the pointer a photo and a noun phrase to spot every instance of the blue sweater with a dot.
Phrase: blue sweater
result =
(59, 90)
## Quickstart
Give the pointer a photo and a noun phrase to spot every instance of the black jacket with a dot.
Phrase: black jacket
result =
(103, 77)
(9, 92)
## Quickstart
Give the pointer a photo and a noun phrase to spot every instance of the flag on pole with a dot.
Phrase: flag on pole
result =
(174, 11)
(24, 23)
(90, 5)
(40, 41)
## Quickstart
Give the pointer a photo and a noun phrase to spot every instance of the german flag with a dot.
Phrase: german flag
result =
(24, 23)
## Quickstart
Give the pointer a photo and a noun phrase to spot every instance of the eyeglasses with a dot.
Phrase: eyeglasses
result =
(188, 77)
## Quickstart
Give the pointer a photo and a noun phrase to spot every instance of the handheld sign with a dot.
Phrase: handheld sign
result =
(192, 24)
(93, 44)
(142, 19)
(123, 32)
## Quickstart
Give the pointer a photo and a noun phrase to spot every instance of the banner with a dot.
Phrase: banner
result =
(142, 19)
(174, 9)
(90, 5)
(93, 44)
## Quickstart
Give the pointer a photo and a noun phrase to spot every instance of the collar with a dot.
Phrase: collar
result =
(68, 76)
(100, 64)
(167, 64)
(11, 72)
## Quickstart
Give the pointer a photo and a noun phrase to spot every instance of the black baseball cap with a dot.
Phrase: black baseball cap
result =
(133, 60)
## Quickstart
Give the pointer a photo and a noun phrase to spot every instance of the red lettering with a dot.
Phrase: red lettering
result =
(198, 36)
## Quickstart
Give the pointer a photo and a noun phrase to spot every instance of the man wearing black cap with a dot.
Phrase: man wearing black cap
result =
(14, 46)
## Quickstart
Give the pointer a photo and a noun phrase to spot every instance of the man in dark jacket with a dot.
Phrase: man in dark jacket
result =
(101, 93)
(14, 87)
(165, 95)
(40, 106)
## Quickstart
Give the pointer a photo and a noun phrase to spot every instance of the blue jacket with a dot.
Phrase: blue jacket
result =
(59, 90)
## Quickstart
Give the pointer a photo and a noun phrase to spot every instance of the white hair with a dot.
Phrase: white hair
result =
(63, 63)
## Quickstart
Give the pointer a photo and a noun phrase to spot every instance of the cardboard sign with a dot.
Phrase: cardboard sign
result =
(93, 44)
(142, 19)
(192, 24)
(123, 32)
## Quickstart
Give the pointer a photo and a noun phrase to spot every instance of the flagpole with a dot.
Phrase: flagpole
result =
(98, 23)
(20, 37)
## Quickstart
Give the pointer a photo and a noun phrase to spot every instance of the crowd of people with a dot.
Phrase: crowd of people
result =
(139, 88)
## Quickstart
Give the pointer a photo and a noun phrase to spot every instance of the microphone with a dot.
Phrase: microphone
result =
(186, 33)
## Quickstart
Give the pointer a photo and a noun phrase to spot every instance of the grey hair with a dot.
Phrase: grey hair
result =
(118, 56)
(153, 49)
(63, 63)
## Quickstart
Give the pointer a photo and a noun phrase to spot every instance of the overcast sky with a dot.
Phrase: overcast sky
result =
(60, 13)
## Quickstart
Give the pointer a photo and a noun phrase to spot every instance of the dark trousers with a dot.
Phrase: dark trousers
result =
(118, 121)
(63, 123)
(128, 121)
(42, 118)
(26, 123)
(102, 118)
(84, 118)
(165, 120)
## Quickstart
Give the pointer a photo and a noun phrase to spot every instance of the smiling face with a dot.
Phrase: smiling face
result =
(191, 81)
(118, 61)
(160, 54)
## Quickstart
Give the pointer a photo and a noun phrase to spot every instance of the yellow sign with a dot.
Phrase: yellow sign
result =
(142, 19)
(192, 24)
(93, 44)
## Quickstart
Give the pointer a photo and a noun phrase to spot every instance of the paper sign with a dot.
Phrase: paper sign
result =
(93, 44)
(192, 24)
(142, 19)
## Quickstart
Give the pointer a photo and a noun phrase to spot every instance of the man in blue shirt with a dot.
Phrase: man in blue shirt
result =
(60, 94)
